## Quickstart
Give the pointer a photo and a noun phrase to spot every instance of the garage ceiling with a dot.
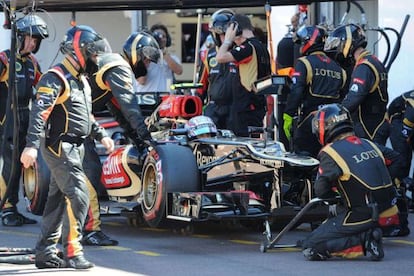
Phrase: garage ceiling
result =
(102, 5)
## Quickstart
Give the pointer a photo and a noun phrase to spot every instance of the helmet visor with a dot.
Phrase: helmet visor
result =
(100, 47)
(303, 34)
(332, 43)
(151, 53)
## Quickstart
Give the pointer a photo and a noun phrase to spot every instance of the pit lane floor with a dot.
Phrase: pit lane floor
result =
(210, 249)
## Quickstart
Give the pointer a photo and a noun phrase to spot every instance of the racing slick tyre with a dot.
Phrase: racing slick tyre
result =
(36, 181)
(167, 168)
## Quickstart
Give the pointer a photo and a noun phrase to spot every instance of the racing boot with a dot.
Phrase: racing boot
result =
(313, 255)
(79, 262)
(98, 238)
(11, 217)
(50, 261)
(373, 244)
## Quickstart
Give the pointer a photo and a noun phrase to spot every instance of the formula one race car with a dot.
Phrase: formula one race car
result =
(193, 172)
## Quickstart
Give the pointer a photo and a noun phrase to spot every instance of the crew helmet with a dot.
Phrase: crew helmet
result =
(330, 121)
(33, 26)
(82, 42)
(137, 47)
(200, 125)
(312, 38)
(344, 40)
(220, 20)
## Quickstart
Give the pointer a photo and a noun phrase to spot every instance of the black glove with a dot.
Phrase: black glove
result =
(139, 69)
(144, 134)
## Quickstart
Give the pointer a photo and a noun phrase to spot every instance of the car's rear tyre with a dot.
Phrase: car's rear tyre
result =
(36, 181)
(167, 168)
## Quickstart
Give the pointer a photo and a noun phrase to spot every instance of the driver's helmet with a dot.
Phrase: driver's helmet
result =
(200, 125)
(219, 22)
(31, 25)
(330, 121)
(344, 40)
(82, 42)
(311, 38)
(139, 46)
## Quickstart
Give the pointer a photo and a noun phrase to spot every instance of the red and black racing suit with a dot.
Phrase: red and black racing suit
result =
(218, 80)
(27, 75)
(367, 98)
(317, 80)
(112, 88)
(357, 169)
(248, 108)
(63, 112)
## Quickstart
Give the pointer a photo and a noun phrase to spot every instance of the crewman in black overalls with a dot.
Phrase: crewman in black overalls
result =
(60, 120)
(112, 88)
(355, 170)
(317, 80)
(218, 79)
(253, 61)
(367, 95)
(31, 30)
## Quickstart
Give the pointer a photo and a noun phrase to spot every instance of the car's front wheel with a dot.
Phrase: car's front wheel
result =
(167, 168)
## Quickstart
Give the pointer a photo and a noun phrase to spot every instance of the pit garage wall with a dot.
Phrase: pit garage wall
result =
(115, 26)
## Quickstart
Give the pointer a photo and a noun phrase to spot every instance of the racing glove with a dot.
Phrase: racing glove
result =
(287, 125)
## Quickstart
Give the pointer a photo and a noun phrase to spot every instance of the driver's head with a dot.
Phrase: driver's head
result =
(200, 127)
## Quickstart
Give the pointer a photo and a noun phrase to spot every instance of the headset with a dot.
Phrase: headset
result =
(156, 36)
(239, 30)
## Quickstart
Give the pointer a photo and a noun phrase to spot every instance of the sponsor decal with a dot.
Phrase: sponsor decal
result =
(366, 155)
(113, 173)
(74, 85)
(212, 62)
(204, 159)
(354, 88)
(18, 66)
(44, 89)
(358, 80)
(146, 99)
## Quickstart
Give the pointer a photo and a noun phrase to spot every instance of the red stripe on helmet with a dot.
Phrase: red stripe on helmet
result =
(76, 48)
(311, 41)
(322, 127)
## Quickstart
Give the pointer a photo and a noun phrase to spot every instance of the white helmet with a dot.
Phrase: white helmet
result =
(200, 125)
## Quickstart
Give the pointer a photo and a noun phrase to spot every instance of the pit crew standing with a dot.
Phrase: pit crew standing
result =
(253, 61)
(112, 88)
(218, 78)
(401, 115)
(60, 120)
(367, 97)
(317, 80)
(367, 193)
(31, 29)
(112, 85)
